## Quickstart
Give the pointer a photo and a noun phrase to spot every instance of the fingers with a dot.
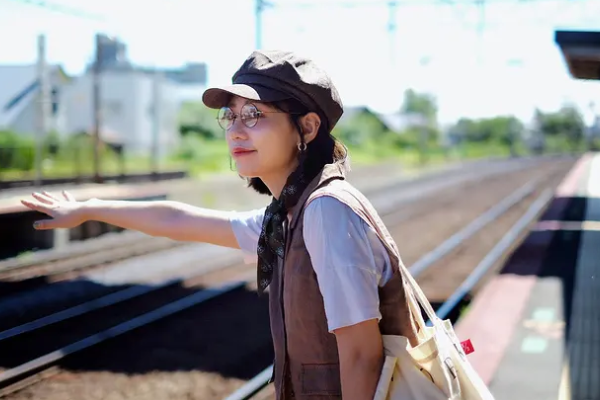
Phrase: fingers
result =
(44, 224)
(46, 196)
(49, 195)
(36, 206)
(68, 196)
(43, 198)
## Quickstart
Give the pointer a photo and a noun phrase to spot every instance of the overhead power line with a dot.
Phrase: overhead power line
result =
(62, 9)
(401, 3)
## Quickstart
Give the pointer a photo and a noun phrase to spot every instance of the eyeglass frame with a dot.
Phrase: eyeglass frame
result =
(259, 113)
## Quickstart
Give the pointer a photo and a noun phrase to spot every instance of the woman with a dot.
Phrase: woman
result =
(329, 263)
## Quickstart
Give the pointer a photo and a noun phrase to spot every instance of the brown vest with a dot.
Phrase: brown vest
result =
(306, 359)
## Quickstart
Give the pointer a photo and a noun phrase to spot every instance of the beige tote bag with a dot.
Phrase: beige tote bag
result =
(436, 369)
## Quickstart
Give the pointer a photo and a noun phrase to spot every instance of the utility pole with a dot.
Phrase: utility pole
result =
(43, 107)
(591, 130)
(260, 6)
(480, 29)
(392, 6)
(97, 108)
(156, 118)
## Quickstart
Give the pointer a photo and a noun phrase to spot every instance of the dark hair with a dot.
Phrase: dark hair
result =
(322, 150)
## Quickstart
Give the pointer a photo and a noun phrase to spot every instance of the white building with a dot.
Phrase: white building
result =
(129, 96)
(19, 99)
(395, 122)
(127, 109)
(126, 98)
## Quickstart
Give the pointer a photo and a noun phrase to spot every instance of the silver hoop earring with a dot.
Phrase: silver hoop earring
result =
(302, 146)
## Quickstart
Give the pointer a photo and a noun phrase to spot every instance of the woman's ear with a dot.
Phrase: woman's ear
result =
(310, 124)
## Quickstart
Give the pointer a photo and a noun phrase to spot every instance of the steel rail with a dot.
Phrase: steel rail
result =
(26, 369)
(472, 228)
(495, 254)
(113, 298)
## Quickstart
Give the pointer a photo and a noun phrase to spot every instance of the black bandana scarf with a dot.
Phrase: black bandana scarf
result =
(271, 242)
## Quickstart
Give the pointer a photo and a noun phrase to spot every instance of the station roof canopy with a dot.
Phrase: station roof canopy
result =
(581, 50)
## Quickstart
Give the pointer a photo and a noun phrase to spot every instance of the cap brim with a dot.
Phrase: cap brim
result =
(218, 97)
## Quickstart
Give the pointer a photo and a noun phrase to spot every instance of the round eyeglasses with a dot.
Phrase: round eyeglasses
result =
(249, 116)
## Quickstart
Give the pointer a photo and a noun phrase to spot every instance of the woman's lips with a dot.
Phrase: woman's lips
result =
(240, 152)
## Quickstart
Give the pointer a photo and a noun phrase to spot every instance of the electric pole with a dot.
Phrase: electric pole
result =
(43, 107)
(156, 118)
(97, 108)
(260, 7)
(591, 130)
(392, 6)
(480, 29)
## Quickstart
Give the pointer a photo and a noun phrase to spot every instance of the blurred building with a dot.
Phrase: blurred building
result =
(19, 94)
(113, 53)
(127, 98)
(394, 122)
(126, 109)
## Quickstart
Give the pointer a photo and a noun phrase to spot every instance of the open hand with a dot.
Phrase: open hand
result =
(66, 212)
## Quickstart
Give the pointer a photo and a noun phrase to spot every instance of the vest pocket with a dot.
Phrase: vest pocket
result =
(321, 379)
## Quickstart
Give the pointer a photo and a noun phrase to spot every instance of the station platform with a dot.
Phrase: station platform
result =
(17, 235)
(535, 326)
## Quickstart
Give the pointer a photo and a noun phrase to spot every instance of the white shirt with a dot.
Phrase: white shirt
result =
(349, 260)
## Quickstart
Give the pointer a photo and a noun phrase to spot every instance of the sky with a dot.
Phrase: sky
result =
(511, 66)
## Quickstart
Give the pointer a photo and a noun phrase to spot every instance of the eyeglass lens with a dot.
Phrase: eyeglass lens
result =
(249, 115)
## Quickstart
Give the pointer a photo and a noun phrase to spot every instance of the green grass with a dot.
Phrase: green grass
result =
(109, 166)
(433, 156)
(201, 157)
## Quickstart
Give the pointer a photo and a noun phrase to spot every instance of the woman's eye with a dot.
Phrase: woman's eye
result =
(250, 114)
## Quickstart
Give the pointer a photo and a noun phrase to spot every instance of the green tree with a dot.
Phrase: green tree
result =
(425, 106)
(503, 129)
(566, 124)
(422, 104)
(195, 118)
(360, 127)
(16, 152)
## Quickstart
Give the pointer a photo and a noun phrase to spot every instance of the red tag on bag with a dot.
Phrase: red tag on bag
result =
(467, 346)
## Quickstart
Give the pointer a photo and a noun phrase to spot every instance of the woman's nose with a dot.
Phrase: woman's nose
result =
(236, 130)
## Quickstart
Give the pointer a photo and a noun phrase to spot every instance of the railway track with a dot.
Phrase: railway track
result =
(114, 247)
(122, 178)
(28, 357)
(77, 283)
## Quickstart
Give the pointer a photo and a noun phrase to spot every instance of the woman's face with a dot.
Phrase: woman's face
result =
(266, 150)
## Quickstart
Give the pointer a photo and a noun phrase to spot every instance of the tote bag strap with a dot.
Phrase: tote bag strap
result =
(419, 295)
(415, 291)
(414, 307)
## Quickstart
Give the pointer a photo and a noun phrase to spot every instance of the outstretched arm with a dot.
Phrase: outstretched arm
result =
(171, 219)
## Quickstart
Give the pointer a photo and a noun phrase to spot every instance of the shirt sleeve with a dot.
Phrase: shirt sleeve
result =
(349, 260)
(247, 226)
